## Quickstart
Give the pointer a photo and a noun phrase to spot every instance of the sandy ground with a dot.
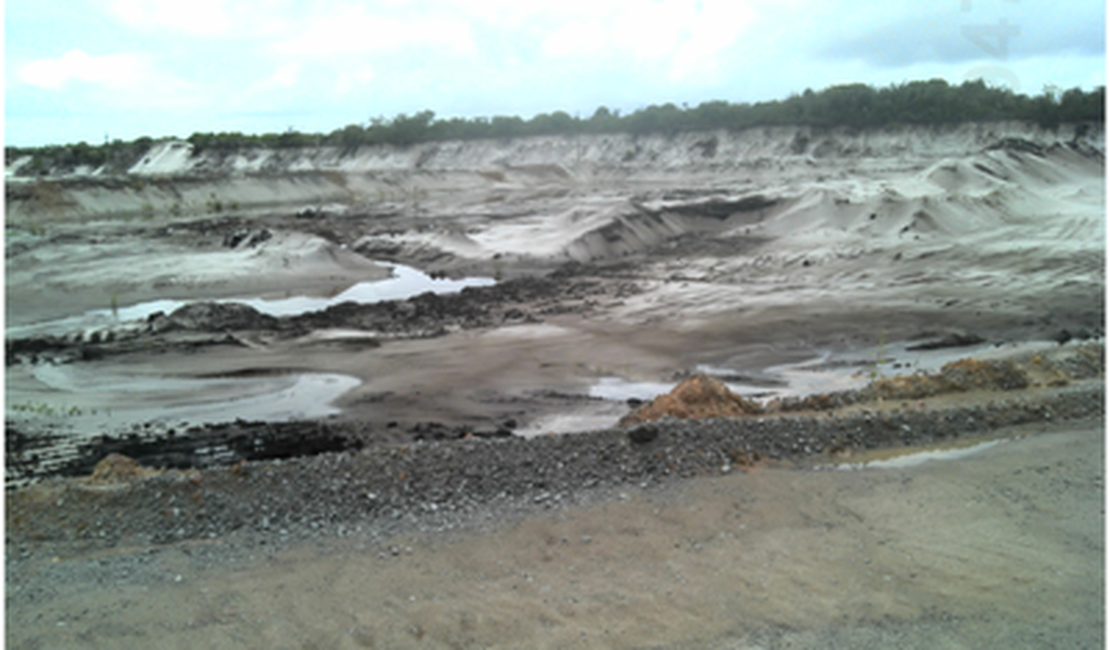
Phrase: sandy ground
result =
(79, 268)
(1001, 548)
(805, 258)
(769, 258)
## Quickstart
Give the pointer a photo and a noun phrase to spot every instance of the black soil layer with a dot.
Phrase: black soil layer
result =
(437, 482)
(34, 452)
(573, 288)
(204, 324)
(35, 456)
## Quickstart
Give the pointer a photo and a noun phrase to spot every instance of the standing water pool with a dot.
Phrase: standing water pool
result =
(405, 283)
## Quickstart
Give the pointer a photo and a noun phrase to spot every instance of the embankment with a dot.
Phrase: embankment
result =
(172, 180)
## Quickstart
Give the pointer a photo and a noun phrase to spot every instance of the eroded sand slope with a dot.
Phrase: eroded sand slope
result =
(785, 262)
(735, 251)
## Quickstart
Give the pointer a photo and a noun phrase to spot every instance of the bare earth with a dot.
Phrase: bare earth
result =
(1001, 548)
(764, 254)
(785, 262)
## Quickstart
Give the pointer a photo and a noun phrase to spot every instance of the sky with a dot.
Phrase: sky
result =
(87, 70)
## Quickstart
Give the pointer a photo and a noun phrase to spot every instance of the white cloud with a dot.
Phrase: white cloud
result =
(112, 70)
(354, 80)
(576, 39)
(712, 32)
(646, 31)
(231, 64)
(652, 30)
(687, 40)
(287, 75)
(202, 17)
(277, 88)
(207, 18)
(349, 30)
(126, 81)
(549, 12)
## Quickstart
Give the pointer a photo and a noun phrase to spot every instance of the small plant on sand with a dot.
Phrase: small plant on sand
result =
(40, 408)
(880, 356)
(213, 205)
(114, 304)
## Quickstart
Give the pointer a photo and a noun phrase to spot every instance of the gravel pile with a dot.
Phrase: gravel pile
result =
(435, 485)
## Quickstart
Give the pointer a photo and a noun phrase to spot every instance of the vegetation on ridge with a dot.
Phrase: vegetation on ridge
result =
(855, 106)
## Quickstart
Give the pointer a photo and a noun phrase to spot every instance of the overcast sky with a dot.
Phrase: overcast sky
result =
(86, 69)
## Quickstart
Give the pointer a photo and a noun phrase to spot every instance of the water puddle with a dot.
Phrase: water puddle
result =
(827, 372)
(815, 376)
(898, 359)
(912, 457)
(785, 380)
(405, 283)
(592, 417)
(620, 389)
(96, 400)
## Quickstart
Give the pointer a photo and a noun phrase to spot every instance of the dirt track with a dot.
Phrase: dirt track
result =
(1003, 547)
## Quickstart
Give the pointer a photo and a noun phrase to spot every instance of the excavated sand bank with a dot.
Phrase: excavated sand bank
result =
(791, 264)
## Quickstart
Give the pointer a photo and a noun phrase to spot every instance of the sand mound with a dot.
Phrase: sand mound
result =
(117, 468)
(697, 398)
(213, 316)
(625, 235)
(955, 377)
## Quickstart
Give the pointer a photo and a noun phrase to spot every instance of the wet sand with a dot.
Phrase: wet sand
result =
(683, 261)
(765, 256)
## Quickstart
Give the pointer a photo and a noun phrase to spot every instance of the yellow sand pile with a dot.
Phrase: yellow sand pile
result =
(697, 398)
(117, 468)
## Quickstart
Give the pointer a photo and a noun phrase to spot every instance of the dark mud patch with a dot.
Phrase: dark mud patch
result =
(31, 457)
(202, 324)
(203, 447)
(350, 343)
(954, 340)
(101, 345)
(695, 203)
(212, 317)
(29, 454)
(440, 477)
(250, 373)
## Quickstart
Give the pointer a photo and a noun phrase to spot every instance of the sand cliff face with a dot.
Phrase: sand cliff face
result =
(579, 155)
(172, 179)
(996, 220)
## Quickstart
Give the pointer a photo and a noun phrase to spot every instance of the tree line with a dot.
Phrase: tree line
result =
(859, 106)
